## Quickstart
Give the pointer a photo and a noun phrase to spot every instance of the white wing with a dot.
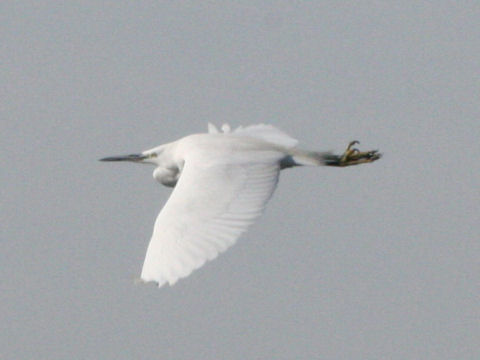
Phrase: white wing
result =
(210, 207)
(267, 133)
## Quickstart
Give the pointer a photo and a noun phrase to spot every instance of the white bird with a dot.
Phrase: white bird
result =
(223, 180)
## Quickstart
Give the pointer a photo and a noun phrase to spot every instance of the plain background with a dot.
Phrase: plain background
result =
(372, 262)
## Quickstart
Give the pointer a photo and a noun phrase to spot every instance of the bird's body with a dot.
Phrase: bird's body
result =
(222, 182)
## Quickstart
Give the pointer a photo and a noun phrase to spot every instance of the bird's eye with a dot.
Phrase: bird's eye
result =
(153, 155)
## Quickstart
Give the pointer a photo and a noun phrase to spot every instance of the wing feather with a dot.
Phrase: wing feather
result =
(210, 207)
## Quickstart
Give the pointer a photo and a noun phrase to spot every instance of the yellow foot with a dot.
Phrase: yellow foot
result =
(352, 156)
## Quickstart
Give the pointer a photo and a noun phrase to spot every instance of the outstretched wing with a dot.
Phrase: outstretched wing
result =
(264, 132)
(210, 207)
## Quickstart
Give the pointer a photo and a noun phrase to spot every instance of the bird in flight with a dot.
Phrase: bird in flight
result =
(222, 181)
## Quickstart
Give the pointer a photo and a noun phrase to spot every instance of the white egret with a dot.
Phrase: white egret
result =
(223, 180)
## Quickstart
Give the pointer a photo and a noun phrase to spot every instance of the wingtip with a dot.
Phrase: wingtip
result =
(212, 129)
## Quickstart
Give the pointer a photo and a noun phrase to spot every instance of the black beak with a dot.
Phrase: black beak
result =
(132, 157)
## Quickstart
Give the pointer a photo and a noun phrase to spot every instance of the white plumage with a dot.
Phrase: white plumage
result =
(223, 180)
(226, 180)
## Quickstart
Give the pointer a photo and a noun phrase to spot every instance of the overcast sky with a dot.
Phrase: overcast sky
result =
(373, 262)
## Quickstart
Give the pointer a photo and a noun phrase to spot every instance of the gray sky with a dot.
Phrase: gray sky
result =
(371, 262)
